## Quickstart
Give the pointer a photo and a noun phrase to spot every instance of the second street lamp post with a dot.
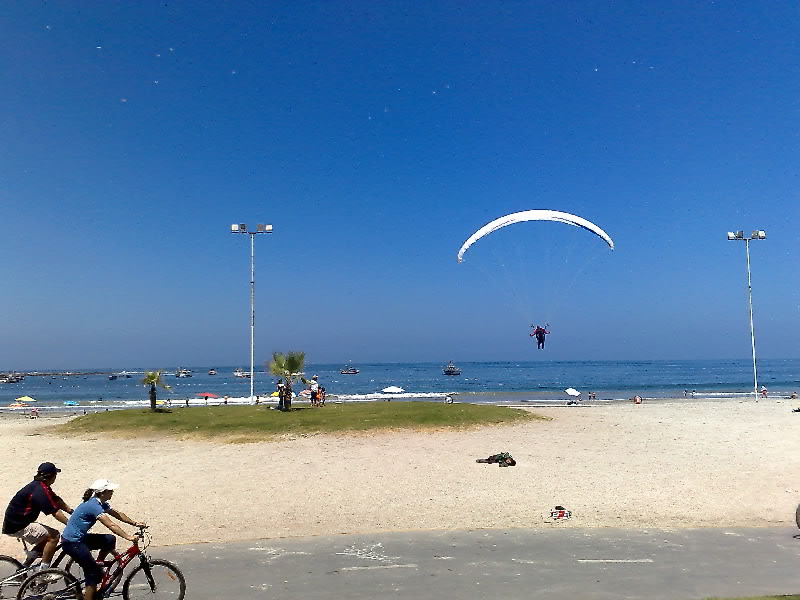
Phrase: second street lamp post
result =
(757, 235)
(260, 228)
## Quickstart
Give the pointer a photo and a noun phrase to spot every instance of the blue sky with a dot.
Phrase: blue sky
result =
(376, 137)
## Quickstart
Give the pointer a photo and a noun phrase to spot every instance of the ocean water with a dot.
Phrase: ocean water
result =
(479, 382)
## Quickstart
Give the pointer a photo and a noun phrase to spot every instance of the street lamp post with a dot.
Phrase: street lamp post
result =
(756, 235)
(260, 228)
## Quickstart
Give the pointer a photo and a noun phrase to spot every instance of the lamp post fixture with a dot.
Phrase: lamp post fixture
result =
(260, 228)
(756, 235)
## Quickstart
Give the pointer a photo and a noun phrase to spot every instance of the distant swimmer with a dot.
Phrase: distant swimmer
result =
(539, 333)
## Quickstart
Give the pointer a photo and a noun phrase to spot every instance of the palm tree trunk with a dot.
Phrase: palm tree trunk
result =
(287, 402)
(153, 397)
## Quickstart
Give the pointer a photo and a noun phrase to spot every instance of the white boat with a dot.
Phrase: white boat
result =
(183, 373)
(451, 369)
(392, 389)
(241, 373)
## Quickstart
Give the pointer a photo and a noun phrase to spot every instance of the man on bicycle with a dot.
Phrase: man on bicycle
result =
(35, 498)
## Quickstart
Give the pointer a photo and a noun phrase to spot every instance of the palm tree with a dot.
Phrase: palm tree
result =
(290, 367)
(153, 379)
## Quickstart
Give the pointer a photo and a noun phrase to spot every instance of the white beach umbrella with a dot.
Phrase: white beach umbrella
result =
(572, 392)
(393, 389)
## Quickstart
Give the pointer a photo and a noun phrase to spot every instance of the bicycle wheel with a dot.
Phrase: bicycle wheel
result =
(10, 576)
(50, 584)
(157, 579)
(797, 515)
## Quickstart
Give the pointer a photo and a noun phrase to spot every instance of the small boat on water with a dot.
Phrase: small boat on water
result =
(212, 371)
(451, 369)
(241, 373)
(349, 371)
(112, 377)
(183, 373)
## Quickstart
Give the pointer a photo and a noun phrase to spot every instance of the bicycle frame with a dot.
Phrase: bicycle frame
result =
(58, 556)
(112, 572)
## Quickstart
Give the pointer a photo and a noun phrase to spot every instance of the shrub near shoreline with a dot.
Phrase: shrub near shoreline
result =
(254, 423)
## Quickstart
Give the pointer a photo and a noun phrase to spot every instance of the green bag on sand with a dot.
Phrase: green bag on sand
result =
(504, 459)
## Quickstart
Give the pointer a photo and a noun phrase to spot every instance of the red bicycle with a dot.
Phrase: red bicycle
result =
(152, 578)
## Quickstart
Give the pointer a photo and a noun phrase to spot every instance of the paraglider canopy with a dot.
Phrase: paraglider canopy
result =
(534, 215)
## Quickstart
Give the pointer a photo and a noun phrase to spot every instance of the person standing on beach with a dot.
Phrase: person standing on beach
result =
(763, 391)
(314, 387)
(26, 505)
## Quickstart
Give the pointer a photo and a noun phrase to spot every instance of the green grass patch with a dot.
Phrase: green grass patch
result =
(254, 423)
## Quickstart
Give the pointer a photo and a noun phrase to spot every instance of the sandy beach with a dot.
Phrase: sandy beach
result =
(666, 464)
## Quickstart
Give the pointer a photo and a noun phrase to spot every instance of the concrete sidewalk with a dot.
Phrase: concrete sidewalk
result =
(554, 564)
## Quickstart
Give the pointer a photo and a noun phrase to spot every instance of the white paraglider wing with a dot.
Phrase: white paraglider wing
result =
(534, 215)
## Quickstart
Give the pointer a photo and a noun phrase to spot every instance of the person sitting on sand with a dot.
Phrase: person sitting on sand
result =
(503, 459)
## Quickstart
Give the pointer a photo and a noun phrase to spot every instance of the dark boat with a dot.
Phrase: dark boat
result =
(451, 369)
(349, 371)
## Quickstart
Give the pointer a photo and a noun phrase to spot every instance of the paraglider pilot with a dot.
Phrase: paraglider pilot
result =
(539, 333)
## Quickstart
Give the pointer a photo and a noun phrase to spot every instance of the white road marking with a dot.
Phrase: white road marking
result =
(615, 560)
(372, 552)
(370, 568)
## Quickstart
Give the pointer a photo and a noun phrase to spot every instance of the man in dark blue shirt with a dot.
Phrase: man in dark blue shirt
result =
(25, 507)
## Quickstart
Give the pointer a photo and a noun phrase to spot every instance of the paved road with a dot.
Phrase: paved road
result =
(557, 564)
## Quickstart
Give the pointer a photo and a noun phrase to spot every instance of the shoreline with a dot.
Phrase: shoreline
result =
(660, 464)
(532, 380)
(270, 401)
